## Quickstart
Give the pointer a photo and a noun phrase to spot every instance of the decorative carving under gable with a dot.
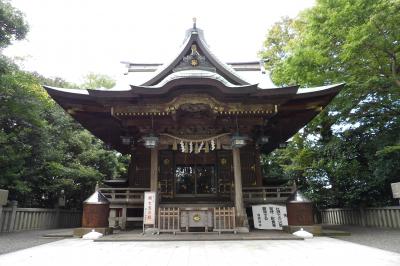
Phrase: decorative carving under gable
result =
(194, 61)
(193, 103)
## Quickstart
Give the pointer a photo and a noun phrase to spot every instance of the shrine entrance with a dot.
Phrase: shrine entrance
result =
(201, 176)
(196, 180)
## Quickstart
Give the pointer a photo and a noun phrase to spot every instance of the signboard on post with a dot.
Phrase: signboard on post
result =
(396, 190)
(149, 210)
(269, 216)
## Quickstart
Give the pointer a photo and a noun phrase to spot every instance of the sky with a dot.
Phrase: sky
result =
(71, 38)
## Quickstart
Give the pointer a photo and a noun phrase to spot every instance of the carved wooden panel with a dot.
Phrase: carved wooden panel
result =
(248, 165)
(166, 174)
(225, 172)
(140, 176)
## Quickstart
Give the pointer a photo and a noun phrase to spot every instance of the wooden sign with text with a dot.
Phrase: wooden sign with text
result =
(149, 210)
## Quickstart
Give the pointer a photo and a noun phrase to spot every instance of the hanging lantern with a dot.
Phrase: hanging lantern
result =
(238, 141)
(127, 140)
(151, 141)
(263, 139)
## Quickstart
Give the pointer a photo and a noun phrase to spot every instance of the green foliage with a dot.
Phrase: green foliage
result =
(42, 150)
(349, 153)
(12, 24)
(95, 81)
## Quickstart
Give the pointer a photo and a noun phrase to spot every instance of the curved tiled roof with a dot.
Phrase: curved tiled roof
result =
(196, 36)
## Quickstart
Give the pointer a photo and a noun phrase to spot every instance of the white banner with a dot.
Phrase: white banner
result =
(269, 216)
(149, 210)
(396, 190)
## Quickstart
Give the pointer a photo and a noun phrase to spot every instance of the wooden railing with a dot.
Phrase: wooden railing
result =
(266, 194)
(224, 219)
(124, 195)
(168, 220)
(173, 220)
(250, 194)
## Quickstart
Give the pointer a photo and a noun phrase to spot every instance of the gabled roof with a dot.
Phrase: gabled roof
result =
(209, 61)
(205, 77)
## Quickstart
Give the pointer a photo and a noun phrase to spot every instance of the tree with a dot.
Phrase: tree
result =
(95, 81)
(43, 151)
(353, 141)
(12, 24)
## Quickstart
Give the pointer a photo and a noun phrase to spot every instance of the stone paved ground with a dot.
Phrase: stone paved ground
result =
(387, 239)
(10, 242)
(317, 251)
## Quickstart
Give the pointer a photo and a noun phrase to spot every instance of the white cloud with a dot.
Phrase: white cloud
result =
(69, 38)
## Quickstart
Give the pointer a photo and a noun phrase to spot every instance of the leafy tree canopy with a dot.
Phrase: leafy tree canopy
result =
(43, 151)
(349, 154)
(12, 24)
(95, 81)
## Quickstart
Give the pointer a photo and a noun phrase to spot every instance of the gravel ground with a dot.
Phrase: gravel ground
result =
(10, 242)
(382, 238)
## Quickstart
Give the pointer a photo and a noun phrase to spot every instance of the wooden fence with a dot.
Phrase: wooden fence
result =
(377, 217)
(224, 219)
(19, 219)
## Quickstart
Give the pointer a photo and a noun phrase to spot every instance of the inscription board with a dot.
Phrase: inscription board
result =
(3, 197)
(149, 210)
(396, 190)
(269, 216)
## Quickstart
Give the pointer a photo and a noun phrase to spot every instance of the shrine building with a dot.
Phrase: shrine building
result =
(195, 128)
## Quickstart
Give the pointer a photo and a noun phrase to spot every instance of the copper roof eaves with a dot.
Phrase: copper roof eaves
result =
(334, 89)
(154, 90)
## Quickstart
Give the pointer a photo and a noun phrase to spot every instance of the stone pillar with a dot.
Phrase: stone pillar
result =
(241, 217)
(154, 170)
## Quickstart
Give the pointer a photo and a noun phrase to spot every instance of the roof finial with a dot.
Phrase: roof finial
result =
(194, 23)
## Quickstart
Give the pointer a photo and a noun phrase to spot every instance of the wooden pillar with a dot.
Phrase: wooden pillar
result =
(154, 170)
(123, 218)
(257, 164)
(132, 170)
(237, 172)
